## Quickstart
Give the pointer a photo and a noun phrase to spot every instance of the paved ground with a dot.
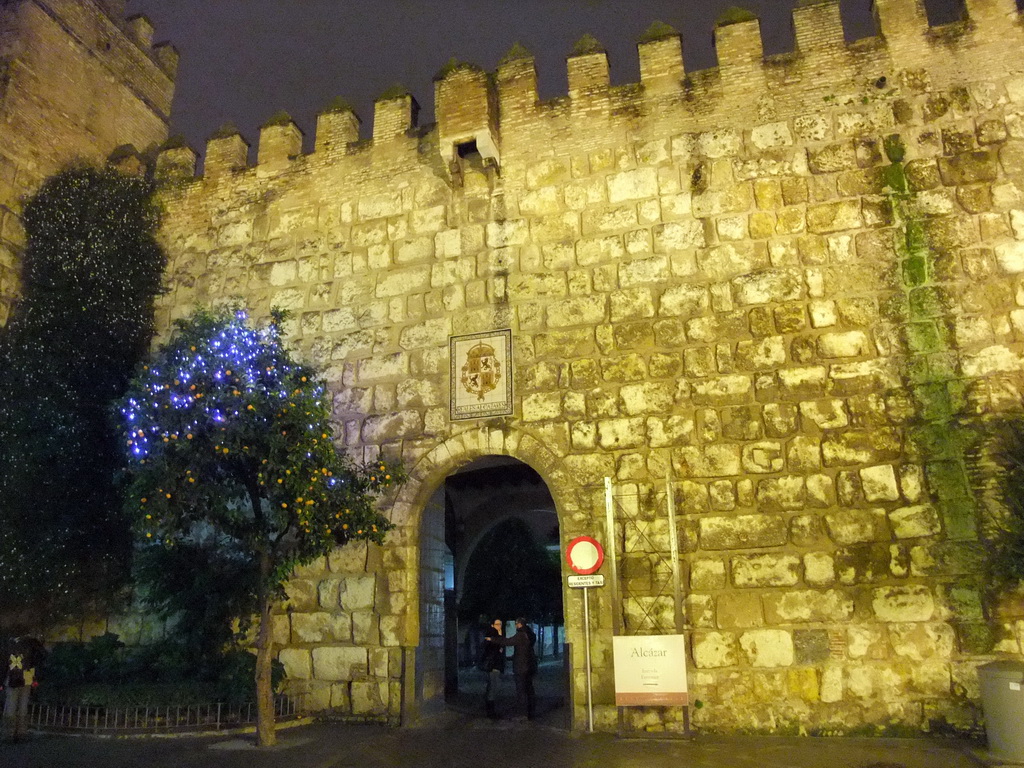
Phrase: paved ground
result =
(461, 738)
(457, 741)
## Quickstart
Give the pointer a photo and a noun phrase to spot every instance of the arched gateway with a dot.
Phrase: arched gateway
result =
(423, 499)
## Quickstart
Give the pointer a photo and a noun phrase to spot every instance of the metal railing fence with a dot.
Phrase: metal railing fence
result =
(152, 719)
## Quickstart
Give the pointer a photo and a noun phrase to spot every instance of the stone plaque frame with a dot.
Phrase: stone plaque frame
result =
(481, 375)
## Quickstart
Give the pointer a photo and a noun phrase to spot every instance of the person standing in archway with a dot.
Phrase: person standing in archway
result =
(524, 664)
(492, 663)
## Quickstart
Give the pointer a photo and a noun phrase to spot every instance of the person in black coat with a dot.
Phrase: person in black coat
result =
(21, 656)
(492, 662)
(524, 664)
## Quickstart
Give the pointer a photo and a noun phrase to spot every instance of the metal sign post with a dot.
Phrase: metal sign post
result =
(590, 682)
(586, 583)
(585, 555)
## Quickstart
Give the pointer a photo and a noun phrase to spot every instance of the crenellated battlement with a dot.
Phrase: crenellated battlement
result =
(496, 113)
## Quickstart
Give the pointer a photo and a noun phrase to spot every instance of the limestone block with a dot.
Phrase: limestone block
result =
(845, 344)
(776, 494)
(825, 414)
(853, 526)
(302, 595)
(713, 650)
(429, 333)
(382, 367)
(831, 686)
(734, 389)
(729, 260)
(767, 287)
(879, 483)
(646, 398)
(866, 641)
(819, 569)
(710, 461)
(771, 135)
(762, 457)
(392, 631)
(739, 610)
(738, 198)
(832, 158)
(321, 627)
(835, 217)
(723, 142)
(365, 628)
(684, 300)
(768, 647)
(549, 171)
(350, 558)
(624, 368)
(636, 184)
(846, 448)
(766, 354)
(808, 605)
(329, 591)
(542, 406)
(765, 570)
(652, 269)
(969, 168)
(742, 532)
(339, 663)
(581, 310)
(610, 219)
(369, 697)
(380, 205)
(903, 603)
(707, 574)
(920, 641)
(991, 360)
(631, 304)
(298, 663)
(803, 383)
(677, 236)
(1010, 257)
(614, 434)
(358, 592)
(675, 430)
(392, 426)
(915, 522)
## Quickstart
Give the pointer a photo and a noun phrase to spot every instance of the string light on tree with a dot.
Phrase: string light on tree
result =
(226, 432)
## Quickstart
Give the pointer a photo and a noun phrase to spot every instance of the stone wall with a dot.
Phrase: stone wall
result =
(77, 80)
(729, 277)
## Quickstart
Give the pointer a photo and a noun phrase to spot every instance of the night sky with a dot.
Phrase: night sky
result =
(243, 60)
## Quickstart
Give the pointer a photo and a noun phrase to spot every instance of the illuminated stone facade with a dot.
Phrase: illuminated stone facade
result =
(712, 279)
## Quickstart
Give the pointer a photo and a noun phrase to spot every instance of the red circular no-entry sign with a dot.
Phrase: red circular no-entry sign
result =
(584, 555)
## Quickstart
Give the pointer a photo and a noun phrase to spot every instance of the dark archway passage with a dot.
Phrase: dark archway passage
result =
(489, 549)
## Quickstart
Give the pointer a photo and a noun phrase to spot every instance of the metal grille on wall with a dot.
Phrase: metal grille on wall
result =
(643, 556)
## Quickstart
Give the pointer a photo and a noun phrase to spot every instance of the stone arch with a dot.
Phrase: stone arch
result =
(437, 463)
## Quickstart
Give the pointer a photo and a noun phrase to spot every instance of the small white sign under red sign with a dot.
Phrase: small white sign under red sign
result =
(585, 555)
(585, 582)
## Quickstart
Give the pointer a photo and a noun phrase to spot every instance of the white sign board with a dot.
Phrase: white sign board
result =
(580, 582)
(650, 671)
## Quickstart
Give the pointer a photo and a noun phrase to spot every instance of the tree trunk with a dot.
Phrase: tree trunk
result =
(265, 733)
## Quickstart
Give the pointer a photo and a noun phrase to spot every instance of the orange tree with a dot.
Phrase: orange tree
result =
(229, 440)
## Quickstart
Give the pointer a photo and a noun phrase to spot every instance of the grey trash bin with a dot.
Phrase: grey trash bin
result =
(1002, 699)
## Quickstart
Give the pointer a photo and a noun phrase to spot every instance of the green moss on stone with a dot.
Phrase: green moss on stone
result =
(396, 91)
(454, 65)
(337, 105)
(226, 131)
(279, 119)
(587, 45)
(734, 15)
(658, 30)
(517, 52)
